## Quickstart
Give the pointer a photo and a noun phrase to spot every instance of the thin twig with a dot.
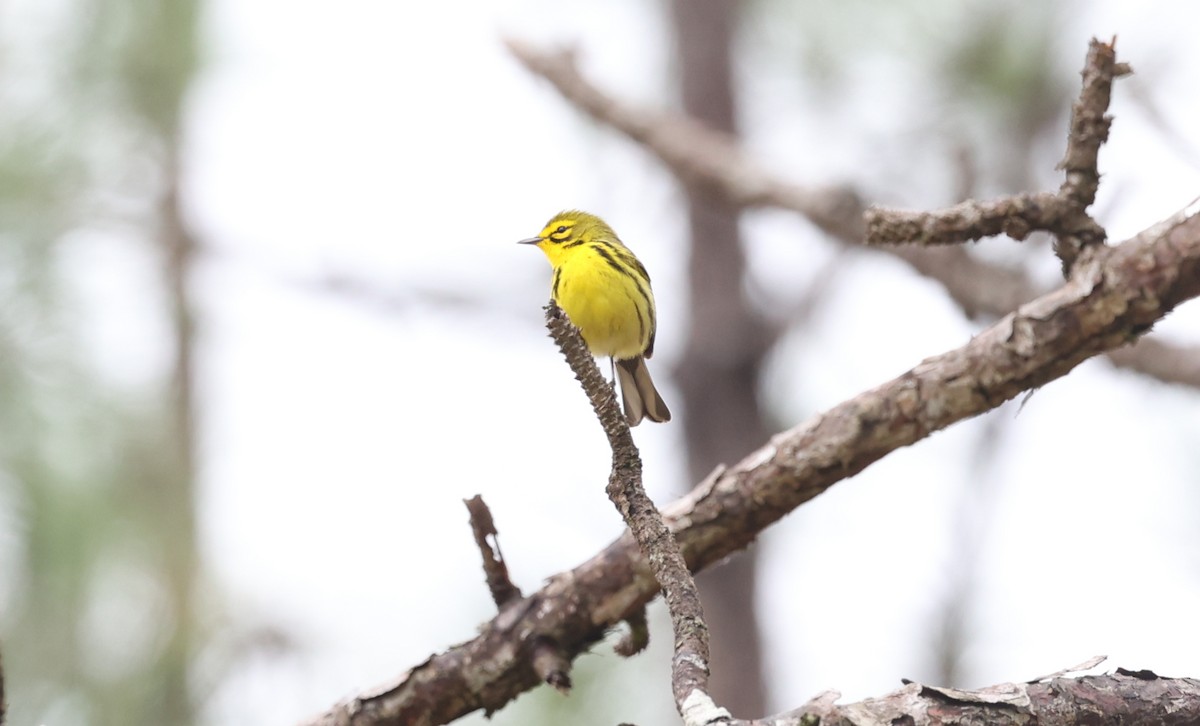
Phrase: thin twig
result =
(1088, 132)
(482, 526)
(547, 658)
(551, 664)
(636, 638)
(689, 668)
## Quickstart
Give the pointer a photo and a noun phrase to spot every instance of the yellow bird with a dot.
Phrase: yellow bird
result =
(605, 291)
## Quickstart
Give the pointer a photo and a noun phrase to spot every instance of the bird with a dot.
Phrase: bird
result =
(605, 291)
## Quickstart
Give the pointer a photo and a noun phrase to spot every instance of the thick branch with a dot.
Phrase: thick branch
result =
(1122, 697)
(710, 159)
(1109, 300)
(689, 668)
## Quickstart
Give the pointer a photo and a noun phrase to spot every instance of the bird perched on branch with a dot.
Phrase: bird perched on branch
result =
(605, 291)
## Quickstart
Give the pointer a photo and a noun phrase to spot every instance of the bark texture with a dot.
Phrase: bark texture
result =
(1124, 697)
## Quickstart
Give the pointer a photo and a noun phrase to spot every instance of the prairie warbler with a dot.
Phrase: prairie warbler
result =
(605, 291)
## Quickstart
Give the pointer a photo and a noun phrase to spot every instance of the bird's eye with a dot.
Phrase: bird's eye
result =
(561, 229)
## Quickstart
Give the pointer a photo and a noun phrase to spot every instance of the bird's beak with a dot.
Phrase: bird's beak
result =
(530, 241)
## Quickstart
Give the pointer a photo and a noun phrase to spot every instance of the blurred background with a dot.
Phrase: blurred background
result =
(263, 327)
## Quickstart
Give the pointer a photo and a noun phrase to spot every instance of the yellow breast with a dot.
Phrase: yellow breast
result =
(603, 304)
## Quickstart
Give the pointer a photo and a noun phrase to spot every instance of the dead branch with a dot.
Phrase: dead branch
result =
(1168, 363)
(494, 570)
(1016, 216)
(689, 668)
(1121, 697)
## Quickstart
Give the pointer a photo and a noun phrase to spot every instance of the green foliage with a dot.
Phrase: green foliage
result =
(98, 625)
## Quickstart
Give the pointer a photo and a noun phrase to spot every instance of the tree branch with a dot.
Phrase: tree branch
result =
(1109, 299)
(494, 570)
(1063, 214)
(1122, 697)
(1016, 216)
(696, 154)
(689, 668)
(712, 160)
(1168, 363)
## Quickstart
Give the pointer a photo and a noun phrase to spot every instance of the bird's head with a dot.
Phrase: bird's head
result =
(566, 234)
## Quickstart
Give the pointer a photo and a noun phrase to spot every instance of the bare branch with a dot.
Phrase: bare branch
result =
(1110, 298)
(697, 154)
(710, 159)
(552, 665)
(1167, 363)
(1063, 214)
(1089, 130)
(1090, 124)
(979, 288)
(1122, 697)
(495, 571)
(1016, 216)
(689, 669)
(547, 659)
(638, 637)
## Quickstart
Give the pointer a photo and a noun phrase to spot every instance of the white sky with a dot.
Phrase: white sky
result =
(397, 143)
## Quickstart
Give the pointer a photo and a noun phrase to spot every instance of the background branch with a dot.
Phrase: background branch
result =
(1168, 363)
(701, 156)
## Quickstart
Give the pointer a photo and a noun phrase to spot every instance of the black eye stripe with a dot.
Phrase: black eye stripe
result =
(560, 235)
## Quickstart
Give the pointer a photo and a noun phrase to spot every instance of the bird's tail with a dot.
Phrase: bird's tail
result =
(638, 392)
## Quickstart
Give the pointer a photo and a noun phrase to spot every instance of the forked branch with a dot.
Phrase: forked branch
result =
(1063, 214)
